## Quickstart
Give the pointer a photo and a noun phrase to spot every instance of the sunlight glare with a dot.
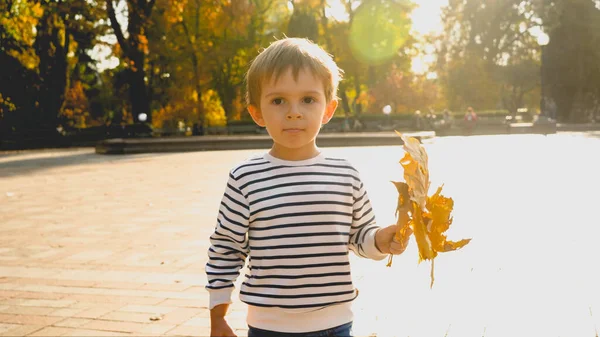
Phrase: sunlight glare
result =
(427, 16)
(336, 10)
(523, 274)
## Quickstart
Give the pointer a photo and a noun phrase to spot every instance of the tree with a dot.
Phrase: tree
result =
(572, 71)
(235, 45)
(207, 45)
(303, 22)
(375, 41)
(489, 54)
(18, 78)
(516, 82)
(134, 49)
(43, 43)
(66, 33)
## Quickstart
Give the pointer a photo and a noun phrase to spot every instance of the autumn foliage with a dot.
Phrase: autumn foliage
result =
(431, 215)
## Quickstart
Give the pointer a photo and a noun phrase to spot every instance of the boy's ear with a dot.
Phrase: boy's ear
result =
(329, 111)
(256, 115)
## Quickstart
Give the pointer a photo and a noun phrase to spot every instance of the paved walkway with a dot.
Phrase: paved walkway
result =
(95, 245)
(100, 245)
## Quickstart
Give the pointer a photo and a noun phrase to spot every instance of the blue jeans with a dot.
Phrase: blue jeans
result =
(339, 331)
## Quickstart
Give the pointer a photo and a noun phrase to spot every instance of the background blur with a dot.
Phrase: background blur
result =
(162, 67)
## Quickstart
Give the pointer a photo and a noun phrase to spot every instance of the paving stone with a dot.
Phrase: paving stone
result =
(115, 326)
(29, 319)
(47, 303)
(93, 313)
(93, 333)
(129, 317)
(38, 295)
(51, 331)
(147, 309)
(184, 303)
(20, 330)
(6, 327)
(72, 322)
(66, 312)
(27, 310)
(188, 331)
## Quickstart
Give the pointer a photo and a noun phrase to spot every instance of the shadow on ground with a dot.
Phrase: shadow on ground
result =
(28, 162)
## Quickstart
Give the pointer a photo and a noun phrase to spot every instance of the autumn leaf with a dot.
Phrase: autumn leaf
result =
(431, 215)
(416, 172)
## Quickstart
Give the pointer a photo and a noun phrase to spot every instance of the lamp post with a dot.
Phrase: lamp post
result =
(386, 111)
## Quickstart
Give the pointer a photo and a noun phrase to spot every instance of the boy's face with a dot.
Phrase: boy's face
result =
(293, 112)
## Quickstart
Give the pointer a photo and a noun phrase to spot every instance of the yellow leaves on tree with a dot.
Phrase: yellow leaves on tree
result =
(6, 105)
(215, 115)
(19, 20)
(76, 106)
(431, 215)
(184, 108)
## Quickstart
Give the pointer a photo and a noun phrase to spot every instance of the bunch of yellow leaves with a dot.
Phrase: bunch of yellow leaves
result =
(431, 215)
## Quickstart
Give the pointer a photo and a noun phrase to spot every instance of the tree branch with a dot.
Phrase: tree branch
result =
(116, 27)
(148, 8)
(188, 36)
(267, 7)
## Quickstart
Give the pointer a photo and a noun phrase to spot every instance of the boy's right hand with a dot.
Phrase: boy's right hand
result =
(218, 324)
(220, 328)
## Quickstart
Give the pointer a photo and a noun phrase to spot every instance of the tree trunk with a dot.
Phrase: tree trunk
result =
(344, 99)
(138, 90)
(225, 89)
(52, 68)
(358, 107)
(134, 54)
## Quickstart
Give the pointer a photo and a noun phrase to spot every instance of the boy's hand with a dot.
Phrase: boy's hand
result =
(220, 328)
(218, 324)
(384, 240)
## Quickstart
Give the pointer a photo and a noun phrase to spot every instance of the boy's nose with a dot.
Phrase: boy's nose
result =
(293, 113)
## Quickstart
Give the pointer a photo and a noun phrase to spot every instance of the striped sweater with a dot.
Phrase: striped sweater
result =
(295, 221)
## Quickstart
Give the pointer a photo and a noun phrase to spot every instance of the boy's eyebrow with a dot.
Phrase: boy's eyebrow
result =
(310, 92)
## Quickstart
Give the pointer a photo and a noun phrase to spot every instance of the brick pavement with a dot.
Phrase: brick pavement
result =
(96, 245)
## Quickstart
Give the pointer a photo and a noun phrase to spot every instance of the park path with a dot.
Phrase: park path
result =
(108, 245)
(95, 245)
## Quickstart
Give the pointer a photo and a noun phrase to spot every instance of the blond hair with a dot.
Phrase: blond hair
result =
(298, 54)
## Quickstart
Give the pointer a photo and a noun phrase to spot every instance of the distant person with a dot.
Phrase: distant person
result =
(550, 108)
(430, 119)
(418, 120)
(198, 129)
(447, 119)
(294, 211)
(357, 125)
(470, 119)
(346, 126)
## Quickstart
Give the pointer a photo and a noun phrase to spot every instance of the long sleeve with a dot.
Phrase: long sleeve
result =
(229, 244)
(364, 227)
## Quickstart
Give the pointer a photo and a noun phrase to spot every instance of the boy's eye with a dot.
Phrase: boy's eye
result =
(277, 101)
(308, 100)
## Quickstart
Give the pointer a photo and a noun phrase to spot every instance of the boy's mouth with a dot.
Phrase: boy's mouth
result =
(293, 130)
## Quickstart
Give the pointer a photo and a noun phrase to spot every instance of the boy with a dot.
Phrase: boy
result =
(294, 211)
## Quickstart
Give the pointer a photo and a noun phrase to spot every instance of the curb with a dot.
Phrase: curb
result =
(217, 143)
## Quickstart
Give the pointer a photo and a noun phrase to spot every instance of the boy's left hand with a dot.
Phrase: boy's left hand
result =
(384, 240)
